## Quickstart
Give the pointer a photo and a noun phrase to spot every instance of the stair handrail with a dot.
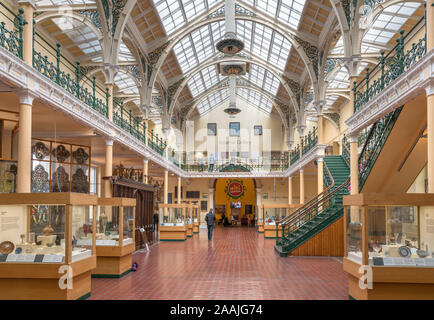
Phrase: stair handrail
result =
(320, 202)
(307, 204)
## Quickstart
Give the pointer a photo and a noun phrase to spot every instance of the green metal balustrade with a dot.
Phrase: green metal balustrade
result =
(309, 141)
(391, 66)
(50, 62)
(11, 30)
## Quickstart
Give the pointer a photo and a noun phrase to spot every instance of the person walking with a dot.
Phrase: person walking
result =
(210, 220)
(156, 221)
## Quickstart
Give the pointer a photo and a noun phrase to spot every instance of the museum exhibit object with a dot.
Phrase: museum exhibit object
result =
(115, 237)
(392, 236)
(273, 212)
(47, 239)
(173, 224)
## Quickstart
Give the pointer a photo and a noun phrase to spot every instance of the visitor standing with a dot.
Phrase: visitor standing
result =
(210, 220)
(156, 221)
(211, 163)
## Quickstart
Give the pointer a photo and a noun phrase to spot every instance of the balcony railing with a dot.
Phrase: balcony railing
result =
(245, 165)
(407, 52)
(11, 30)
(50, 62)
(309, 141)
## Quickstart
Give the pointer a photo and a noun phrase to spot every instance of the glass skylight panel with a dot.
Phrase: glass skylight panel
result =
(269, 6)
(255, 99)
(263, 79)
(203, 80)
(279, 51)
(193, 8)
(170, 14)
(290, 12)
(125, 53)
(212, 101)
(339, 47)
(262, 41)
(185, 54)
(339, 79)
(389, 22)
(244, 32)
(125, 84)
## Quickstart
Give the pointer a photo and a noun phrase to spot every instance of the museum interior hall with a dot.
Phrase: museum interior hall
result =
(216, 149)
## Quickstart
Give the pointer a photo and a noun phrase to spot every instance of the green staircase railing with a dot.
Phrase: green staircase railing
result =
(319, 212)
(391, 66)
(376, 138)
(309, 141)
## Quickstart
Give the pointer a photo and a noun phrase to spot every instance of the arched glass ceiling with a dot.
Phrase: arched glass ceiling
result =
(263, 79)
(255, 99)
(251, 97)
(212, 100)
(125, 84)
(259, 40)
(389, 22)
(81, 35)
(209, 77)
(286, 11)
(203, 80)
(125, 54)
(174, 14)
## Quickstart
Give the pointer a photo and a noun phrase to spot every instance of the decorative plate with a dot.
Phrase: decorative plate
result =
(422, 253)
(80, 156)
(40, 151)
(404, 251)
(6, 247)
(61, 153)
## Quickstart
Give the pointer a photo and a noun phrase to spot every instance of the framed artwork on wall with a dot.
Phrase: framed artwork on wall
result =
(212, 129)
(234, 129)
(204, 205)
(257, 130)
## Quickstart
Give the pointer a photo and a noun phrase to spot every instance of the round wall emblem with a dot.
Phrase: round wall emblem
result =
(235, 189)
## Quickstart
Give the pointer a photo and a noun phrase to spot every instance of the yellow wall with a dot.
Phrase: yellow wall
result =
(221, 198)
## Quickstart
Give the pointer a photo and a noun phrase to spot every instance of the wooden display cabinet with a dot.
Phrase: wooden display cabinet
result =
(196, 218)
(48, 246)
(189, 218)
(389, 237)
(115, 237)
(272, 212)
(260, 219)
(173, 224)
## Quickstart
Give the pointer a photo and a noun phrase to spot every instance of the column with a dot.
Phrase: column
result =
(145, 171)
(24, 142)
(166, 186)
(320, 167)
(108, 169)
(430, 96)
(290, 200)
(179, 190)
(354, 163)
(110, 101)
(320, 129)
(99, 182)
(28, 8)
(211, 198)
(258, 204)
(301, 186)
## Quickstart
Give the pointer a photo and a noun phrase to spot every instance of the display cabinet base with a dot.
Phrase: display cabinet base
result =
(391, 283)
(113, 266)
(111, 276)
(31, 281)
(270, 232)
(190, 231)
(86, 296)
(173, 233)
(196, 228)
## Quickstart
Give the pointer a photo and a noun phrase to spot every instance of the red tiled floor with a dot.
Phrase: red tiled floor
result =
(237, 264)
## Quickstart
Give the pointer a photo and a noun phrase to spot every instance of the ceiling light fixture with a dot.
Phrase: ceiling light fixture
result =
(230, 44)
(232, 109)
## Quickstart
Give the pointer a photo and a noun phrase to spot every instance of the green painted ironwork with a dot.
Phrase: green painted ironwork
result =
(319, 212)
(68, 75)
(391, 66)
(309, 141)
(11, 31)
(376, 138)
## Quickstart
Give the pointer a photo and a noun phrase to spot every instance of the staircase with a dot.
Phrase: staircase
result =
(320, 212)
(326, 208)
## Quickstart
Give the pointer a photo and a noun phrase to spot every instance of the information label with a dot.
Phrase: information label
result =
(21, 258)
(53, 258)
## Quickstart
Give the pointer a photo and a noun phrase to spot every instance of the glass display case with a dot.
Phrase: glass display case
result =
(173, 221)
(273, 212)
(392, 234)
(260, 219)
(42, 229)
(189, 219)
(115, 236)
(196, 218)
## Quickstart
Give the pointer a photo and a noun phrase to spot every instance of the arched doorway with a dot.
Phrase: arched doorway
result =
(235, 197)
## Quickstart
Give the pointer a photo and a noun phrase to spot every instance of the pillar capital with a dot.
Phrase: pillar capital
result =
(166, 171)
(320, 159)
(301, 170)
(145, 161)
(25, 96)
(109, 142)
(258, 190)
(110, 72)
